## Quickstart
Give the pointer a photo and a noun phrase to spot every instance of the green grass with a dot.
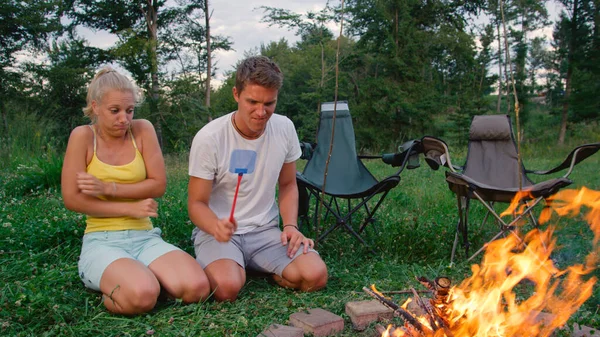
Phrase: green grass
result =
(41, 294)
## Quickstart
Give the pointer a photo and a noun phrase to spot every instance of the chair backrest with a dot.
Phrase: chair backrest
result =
(492, 155)
(346, 174)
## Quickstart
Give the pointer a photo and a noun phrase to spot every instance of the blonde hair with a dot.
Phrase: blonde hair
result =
(108, 79)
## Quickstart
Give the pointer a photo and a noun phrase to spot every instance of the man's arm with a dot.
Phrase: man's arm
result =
(288, 208)
(288, 194)
(202, 216)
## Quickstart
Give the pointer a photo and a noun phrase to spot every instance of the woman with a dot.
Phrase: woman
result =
(112, 170)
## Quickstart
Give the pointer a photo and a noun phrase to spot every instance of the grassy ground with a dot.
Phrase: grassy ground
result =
(41, 294)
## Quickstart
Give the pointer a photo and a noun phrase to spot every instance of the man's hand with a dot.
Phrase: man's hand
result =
(224, 229)
(293, 238)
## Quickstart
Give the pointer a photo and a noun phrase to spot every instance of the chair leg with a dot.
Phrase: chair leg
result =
(465, 228)
(504, 226)
(349, 215)
(486, 215)
(461, 226)
(357, 236)
(370, 213)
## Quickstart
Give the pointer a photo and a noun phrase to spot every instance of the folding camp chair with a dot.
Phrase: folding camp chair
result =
(347, 177)
(492, 174)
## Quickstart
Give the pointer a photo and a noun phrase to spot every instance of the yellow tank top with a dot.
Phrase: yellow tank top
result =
(130, 173)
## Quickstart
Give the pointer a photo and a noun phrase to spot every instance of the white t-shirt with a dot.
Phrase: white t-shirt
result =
(210, 159)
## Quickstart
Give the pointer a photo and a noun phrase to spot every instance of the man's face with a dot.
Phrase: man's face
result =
(256, 104)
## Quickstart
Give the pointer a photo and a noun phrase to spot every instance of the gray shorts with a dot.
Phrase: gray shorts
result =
(100, 249)
(259, 250)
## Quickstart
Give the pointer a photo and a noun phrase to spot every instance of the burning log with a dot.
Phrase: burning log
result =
(400, 312)
(485, 304)
(433, 309)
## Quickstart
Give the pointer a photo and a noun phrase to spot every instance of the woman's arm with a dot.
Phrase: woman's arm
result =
(75, 163)
(156, 180)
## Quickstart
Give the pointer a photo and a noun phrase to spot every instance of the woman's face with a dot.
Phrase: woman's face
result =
(114, 111)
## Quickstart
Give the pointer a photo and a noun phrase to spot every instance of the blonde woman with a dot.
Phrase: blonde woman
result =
(113, 170)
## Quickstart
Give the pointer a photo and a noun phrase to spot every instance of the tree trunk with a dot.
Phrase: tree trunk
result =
(151, 16)
(4, 117)
(499, 102)
(322, 82)
(565, 111)
(506, 75)
(522, 55)
(396, 33)
(596, 41)
(208, 59)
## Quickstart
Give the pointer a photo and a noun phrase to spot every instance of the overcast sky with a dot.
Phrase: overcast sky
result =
(240, 20)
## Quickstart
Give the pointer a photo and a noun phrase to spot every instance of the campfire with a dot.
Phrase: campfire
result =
(486, 303)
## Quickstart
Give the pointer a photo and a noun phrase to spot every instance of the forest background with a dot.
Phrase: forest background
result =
(407, 68)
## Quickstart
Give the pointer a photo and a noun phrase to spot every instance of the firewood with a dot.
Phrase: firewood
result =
(400, 312)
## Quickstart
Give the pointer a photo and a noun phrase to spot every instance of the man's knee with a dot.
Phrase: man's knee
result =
(226, 289)
(307, 273)
(315, 278)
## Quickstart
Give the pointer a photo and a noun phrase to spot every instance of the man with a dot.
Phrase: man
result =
(225, 246)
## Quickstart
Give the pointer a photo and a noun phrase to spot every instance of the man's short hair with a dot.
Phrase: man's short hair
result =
(258, 70)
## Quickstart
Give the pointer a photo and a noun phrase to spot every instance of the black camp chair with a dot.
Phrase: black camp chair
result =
(347, 178)
(492, 174)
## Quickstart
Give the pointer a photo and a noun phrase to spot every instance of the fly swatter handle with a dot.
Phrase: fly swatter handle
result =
(237, 188)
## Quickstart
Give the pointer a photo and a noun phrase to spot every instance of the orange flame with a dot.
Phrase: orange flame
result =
(487, 305)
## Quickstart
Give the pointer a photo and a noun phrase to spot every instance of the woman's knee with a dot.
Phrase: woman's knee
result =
(196, 289)
(138, 299)
(143, 297)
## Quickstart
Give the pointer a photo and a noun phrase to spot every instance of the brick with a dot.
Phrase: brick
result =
(317, 322)
(278, 330)
(363, 313)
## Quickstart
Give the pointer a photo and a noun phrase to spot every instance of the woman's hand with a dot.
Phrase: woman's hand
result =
(143, 208)
(90, 185)
(293, 238)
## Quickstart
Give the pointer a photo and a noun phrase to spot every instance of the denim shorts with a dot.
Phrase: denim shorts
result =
(259, 250)
(100, 249)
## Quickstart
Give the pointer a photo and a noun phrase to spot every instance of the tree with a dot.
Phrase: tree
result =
(532, 15)
(413, 60)
(572, 37)
(24, 26)
(207, 15)
(311, 27)
(63, 81)
(536, 60)
(137, 24)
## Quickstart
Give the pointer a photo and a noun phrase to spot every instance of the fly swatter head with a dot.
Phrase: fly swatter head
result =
(242, 161)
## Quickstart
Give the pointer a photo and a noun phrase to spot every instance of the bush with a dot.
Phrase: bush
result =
(37, 174)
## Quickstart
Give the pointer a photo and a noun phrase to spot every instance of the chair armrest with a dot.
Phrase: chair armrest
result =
(576, 156)
(437, 154)
(407, 155)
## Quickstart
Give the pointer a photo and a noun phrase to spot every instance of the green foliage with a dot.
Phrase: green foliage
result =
(222, 99)
(35, 174)
(28, 137)
(186, 114)
(41, 294)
